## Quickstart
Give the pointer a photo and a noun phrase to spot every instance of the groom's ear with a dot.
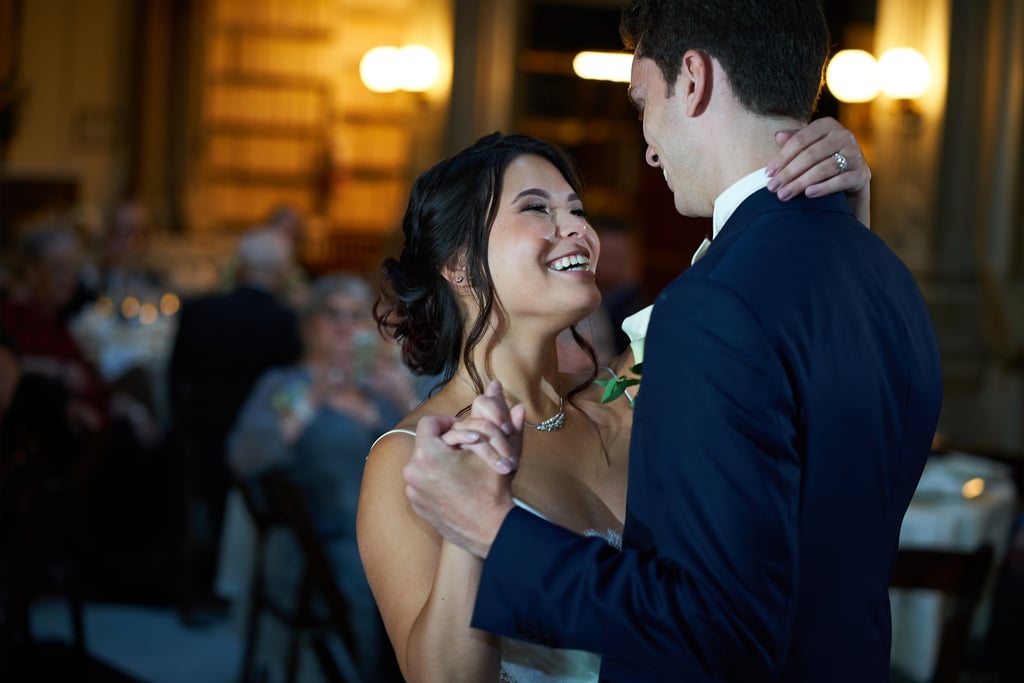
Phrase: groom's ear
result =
(695, 84)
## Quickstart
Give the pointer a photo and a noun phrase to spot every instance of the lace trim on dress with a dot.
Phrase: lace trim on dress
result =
(612, 538)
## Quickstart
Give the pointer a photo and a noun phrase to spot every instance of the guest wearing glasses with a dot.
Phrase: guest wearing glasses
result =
(316, 421)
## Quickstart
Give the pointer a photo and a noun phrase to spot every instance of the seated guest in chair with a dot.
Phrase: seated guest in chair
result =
(315, 421)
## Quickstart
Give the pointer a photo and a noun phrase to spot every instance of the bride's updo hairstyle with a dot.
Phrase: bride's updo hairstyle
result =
(447, 224)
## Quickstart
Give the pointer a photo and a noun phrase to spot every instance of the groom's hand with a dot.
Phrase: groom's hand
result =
(456, 488)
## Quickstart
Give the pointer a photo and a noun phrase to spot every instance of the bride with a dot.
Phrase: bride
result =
(498, 260)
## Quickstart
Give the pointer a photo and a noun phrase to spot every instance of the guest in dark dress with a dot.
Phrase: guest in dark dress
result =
(224, 343)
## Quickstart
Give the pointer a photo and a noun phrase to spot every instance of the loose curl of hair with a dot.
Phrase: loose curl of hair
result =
(447, 224)
(773, 52)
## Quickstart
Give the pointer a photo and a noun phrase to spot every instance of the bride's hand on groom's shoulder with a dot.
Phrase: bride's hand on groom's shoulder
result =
(807, 163)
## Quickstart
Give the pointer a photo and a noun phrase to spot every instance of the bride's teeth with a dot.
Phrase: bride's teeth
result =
(567, 262)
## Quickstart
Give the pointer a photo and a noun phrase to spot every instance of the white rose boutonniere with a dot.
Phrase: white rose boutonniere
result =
(635, 326)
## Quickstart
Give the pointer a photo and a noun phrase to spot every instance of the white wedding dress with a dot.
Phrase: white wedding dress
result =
(523, 662)
(528, 663)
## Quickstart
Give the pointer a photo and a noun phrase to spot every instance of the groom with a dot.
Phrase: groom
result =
(791, 390)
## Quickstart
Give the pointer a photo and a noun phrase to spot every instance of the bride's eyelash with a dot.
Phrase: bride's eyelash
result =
(580, 212)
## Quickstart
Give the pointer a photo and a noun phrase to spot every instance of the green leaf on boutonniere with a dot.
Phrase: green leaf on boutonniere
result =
(613, 388)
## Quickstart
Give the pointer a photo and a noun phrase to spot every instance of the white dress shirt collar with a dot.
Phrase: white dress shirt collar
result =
(733, 196)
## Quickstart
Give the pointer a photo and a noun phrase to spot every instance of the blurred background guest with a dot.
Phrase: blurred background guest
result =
(34, 314)
(224, 342)
(119, 268)
(66, 411)
(316, 421)
(287, 220)
(122, 318)
(38, 456)
(618, 277)
(287, 223)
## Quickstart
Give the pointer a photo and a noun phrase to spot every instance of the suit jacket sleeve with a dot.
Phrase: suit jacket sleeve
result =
(706, 579)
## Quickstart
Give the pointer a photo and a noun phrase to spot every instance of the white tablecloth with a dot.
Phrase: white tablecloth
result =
(941, 518)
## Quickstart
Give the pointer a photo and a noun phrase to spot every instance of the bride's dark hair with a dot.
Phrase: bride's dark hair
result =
(447, 224)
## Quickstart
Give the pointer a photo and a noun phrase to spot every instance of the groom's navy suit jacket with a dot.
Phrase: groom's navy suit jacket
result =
(791, 389)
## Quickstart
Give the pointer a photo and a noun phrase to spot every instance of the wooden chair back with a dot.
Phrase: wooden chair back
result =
(273, 501)
(287, 502)
(961, 578)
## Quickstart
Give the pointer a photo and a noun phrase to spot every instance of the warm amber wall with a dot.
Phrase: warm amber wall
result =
(215, 110)
(71, 68)
(908, 147)
(281, 115)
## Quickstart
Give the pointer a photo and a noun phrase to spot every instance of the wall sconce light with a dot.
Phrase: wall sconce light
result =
(901, 73)
(603, 66)
(904, 73)
(852, 76)
(413, 68)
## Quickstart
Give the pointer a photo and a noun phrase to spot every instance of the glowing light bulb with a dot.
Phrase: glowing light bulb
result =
(414, 68)
(853, 76)
(418, 67)
(973, 488)
(130, 307)
(904, 73)
(169, 303)
(380, 69)
(148, 314)
(603, 66)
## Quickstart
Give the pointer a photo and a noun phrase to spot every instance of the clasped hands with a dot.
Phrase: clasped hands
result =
(459, 477)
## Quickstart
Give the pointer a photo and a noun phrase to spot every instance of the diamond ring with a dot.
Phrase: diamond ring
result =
(841, 161)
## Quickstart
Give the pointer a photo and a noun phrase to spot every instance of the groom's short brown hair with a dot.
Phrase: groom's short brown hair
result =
(773, 51)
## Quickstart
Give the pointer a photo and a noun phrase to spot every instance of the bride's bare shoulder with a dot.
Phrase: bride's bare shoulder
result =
(400, 437)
